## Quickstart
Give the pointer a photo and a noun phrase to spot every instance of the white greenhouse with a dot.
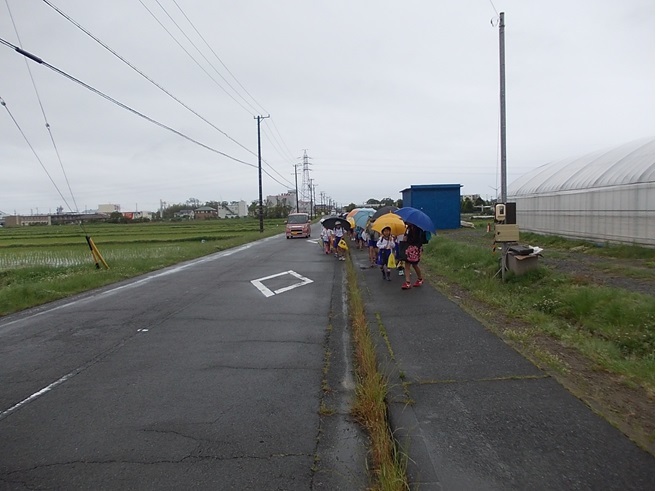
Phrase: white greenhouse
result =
(607, 196)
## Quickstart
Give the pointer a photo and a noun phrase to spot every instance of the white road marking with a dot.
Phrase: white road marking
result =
(268, 293)
(37, 394)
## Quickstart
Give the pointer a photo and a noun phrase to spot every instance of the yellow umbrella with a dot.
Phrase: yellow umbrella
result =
(396, 224)
(352, 222)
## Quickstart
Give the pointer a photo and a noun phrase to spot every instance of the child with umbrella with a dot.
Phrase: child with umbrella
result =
(414, 238)
(385, 244)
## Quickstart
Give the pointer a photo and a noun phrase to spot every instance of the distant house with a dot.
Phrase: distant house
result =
(184, 214)
(226, 212)
(237, 208)
(205, 213)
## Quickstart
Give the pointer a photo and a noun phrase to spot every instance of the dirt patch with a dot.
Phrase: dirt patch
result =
(630, 409)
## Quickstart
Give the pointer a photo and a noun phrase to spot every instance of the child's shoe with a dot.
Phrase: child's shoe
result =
(406, 285)
(388, 276)
(418, 282)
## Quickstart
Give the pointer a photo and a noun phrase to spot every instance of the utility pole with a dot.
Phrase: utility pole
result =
(505, 245)
(260, 118)
(310, 189)
(305, 178)
(296, 186)
(502, 111)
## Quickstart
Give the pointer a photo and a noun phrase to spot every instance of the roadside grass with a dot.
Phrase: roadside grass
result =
(612, 327)
(42, 264)
(388, 463)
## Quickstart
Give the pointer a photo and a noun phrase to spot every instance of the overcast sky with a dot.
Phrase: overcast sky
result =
(382, 94)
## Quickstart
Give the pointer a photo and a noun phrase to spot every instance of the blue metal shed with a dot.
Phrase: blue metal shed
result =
(442, 202)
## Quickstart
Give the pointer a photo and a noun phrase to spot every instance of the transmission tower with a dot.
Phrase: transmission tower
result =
(306, 183)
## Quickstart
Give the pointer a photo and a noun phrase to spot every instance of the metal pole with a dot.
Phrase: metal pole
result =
(296, 186)
(505, 246)
(310, 189)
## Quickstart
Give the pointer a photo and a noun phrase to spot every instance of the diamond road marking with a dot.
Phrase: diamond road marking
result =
(269, 293)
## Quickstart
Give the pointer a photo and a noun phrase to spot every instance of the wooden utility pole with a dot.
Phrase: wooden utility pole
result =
(262, 226)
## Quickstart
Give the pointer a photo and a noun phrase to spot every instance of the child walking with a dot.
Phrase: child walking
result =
(385, 244)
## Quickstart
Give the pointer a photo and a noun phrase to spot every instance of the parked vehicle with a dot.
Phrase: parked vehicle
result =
(297, 225)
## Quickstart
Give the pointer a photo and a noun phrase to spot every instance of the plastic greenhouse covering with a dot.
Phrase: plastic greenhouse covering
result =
(605, 196)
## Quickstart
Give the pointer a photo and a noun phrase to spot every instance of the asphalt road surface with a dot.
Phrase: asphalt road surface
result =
(206, 375)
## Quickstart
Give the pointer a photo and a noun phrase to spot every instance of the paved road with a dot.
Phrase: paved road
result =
(207, 375)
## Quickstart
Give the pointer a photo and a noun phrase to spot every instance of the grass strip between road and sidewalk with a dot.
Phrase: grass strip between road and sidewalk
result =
(388, 463)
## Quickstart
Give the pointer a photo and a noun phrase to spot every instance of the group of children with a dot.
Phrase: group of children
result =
(331, 241)
(380, 248)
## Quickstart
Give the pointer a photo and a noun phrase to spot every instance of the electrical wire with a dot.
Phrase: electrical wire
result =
(218, 58)
(43, 112)
(204, 57)
(159, 86)
(4, 104)
(128, 108)
(194, 59)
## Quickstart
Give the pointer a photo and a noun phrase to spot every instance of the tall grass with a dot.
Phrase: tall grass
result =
(388, 464)
(613, 327)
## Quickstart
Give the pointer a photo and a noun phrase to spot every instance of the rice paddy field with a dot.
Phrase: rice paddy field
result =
(39, 264)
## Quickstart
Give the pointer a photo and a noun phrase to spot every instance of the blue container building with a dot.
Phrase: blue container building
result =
(442, 202)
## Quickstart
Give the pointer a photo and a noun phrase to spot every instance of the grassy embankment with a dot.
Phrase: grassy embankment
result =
(42, 264)
(582, 319)
(613, 327)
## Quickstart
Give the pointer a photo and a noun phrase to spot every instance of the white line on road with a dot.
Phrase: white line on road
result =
(268, 293)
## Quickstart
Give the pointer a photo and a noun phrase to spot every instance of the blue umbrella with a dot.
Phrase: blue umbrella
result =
(362, 215)
(416, 217)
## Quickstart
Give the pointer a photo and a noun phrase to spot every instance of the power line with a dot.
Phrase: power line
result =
(4, 104)
(140, 72)
(217, 56)
(43, 112)
(126, 107)
(124, 60)
(192, 57)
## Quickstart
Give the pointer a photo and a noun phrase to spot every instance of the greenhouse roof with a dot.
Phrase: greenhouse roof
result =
(631, 163)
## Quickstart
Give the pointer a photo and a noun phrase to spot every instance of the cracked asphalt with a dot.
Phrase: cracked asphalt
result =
(207, 375)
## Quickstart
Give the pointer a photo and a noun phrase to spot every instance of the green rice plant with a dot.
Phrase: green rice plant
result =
(59, 263)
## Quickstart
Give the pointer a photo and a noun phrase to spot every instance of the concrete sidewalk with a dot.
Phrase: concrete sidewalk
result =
(473, 414)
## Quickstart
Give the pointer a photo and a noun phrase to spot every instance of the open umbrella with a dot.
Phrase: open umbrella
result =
(383, 210)
(362, 215)
(417, 218)
(396, 224)
(331, 222)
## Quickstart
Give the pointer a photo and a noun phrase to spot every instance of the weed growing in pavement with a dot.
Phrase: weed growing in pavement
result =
(387, 461)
